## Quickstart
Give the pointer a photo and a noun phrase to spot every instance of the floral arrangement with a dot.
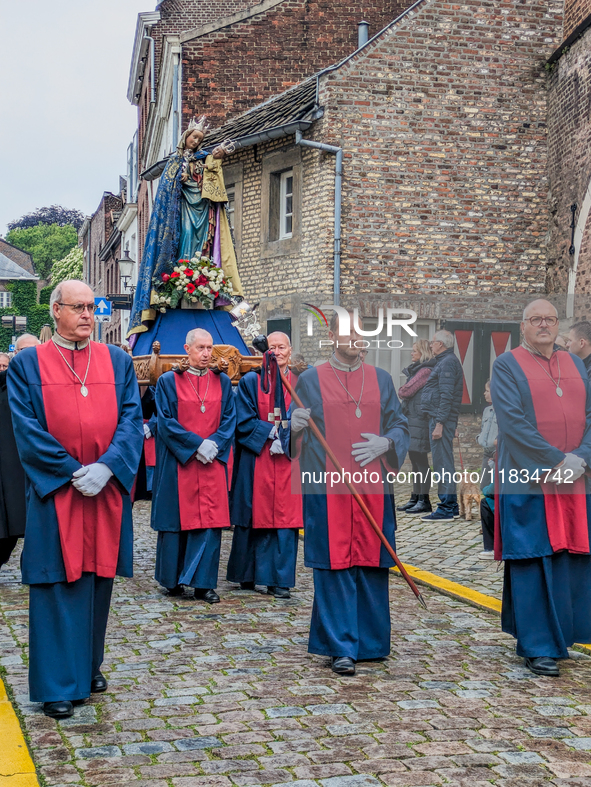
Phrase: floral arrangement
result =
(197, 280)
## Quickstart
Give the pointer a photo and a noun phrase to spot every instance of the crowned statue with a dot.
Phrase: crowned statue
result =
(189, 251)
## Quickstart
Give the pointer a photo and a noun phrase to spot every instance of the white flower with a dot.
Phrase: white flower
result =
(193, 299)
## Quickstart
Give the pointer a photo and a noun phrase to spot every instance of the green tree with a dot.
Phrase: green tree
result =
(46, 243)
(68, 268)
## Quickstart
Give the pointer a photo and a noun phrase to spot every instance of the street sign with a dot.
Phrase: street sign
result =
(103, 309)
(11, 348)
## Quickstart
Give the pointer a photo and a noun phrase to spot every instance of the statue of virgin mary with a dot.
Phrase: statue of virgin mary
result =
(188, 219)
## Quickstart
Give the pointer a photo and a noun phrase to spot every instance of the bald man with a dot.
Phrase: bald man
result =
(265, 514)
(195, 431)
(543, 407)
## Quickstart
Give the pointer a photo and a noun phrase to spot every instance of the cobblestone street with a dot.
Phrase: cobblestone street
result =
(204, 696)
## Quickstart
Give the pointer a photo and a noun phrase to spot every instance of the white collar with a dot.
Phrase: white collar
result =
(533, 350)
(67, 344)
(343, 366)
(197, 372)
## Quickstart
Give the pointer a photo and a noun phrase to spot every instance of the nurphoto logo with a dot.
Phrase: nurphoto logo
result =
(387, 318)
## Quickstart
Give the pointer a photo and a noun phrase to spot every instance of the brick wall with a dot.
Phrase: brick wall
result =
(575, 12)
(444, 124)
(569, 164)
(230, 70)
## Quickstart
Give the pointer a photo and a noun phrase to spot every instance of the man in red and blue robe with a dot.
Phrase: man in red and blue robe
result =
(543, 406)
(195, 430)
(78, 427)
(265, 513)
(357, 410)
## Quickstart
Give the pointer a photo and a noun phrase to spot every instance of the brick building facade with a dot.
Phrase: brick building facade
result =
(101, 246)
(569, 145)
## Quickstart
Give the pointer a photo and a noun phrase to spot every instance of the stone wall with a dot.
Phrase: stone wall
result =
(227, 71)
(444, 127)
(569, 165)
(575, 12)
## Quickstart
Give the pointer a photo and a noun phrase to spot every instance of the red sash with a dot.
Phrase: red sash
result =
(203, 489)
(561, 420)
(352, 541)
(274, 503)
(89, 527)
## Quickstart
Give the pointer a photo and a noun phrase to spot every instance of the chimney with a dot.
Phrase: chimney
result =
(362, 34)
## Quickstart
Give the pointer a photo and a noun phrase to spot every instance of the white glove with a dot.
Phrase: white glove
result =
(367, 452)
(299, 419)
(147, 432)
(570, 462)
(207, 451)
(91, 479)
(276, 447)
(273, 433)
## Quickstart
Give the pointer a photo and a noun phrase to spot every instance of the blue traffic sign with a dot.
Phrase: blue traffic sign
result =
(11, 348)
(103, 309)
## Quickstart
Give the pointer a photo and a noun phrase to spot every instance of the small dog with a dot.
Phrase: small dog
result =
(468, 493)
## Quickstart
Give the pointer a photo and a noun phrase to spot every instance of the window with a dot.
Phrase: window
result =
(231, 192)
(286, 204)
(5, 300)
(394, 360)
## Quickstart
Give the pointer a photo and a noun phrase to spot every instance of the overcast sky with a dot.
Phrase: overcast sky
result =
(65, 122)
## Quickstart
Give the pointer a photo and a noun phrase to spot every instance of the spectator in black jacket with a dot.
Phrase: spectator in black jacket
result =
(418, 424)
(441, 399)
(579, 342)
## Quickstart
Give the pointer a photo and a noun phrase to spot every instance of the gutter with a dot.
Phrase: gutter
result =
(152, 68)
(338, 199)
(294, 127)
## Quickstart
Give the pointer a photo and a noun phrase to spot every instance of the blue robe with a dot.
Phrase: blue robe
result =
(546, 594)
(351, 615)
(67, 616)
(187, 557)
(263, 555)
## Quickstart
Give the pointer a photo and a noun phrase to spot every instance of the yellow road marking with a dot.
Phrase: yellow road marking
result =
(16, 765)
(454, 589)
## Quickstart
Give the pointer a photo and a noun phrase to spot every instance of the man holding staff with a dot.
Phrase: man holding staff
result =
(356, 409)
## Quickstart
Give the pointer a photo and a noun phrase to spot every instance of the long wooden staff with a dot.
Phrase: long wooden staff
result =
(368, 515)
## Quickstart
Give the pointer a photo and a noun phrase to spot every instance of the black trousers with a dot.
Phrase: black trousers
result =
(487, 518)
(7, 545)
(420, 464)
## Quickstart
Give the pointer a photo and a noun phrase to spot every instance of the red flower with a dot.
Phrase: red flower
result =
(214, 293)
(188, 272)
(191, 288)
(174, 275)
(202, 280)
(165, 277)
(183, 262)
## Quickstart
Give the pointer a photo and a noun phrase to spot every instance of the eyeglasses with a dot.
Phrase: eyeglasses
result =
(79, 308)
(537, 321)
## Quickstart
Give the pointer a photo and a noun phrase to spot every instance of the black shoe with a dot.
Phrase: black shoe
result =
(247, 586)
(343, 665)
(422, 506)
(177, 591)
(62, 709)
(98, 683)
(413, 500)
(278, 592)
(542, 665)
(207, 595)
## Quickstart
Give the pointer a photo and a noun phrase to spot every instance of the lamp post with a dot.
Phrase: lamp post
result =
(126, 271)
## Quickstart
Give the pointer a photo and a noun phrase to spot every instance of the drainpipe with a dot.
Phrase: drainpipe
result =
(175, 103)
(338, 198)
(362, 34)
(152, 68)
